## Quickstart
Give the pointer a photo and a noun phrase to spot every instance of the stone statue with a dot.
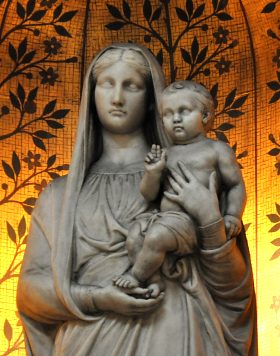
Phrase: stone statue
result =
(187, 110)
(77, 241)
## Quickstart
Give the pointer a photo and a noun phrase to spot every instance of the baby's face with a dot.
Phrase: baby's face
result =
(182, 116)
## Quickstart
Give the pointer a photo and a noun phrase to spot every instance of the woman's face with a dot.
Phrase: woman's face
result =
(121, 98)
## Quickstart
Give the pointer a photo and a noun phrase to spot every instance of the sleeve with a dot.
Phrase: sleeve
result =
(36, 295)
(227, 273)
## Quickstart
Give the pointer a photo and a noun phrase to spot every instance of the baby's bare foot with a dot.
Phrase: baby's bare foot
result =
(126, 281)
(155, 286)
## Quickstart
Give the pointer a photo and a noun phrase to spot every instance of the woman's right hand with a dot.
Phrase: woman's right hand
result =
(114, 299)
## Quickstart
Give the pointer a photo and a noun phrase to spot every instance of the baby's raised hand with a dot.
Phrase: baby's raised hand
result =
(233, 226)
(155, 160)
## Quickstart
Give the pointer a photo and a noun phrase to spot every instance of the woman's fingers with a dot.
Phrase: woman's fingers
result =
(177, 178)
(186, 172)
(172, 197)
(174, 185)
(158, 149)
(144, 305)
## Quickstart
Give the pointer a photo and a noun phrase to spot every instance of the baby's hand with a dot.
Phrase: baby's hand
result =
(233, 226)
(155, 160)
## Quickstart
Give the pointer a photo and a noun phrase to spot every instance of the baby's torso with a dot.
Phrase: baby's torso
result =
(200, 158)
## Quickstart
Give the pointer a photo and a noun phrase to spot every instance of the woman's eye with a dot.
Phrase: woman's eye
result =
(106, 84)
(133, 86)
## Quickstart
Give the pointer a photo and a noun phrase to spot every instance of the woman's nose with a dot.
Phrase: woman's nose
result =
(117, 96)
(177, 118)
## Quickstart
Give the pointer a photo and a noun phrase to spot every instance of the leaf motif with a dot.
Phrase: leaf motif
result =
(276, 242)
(28, 209)
(223, 16)
(230, 97)
(222, 5)
(8, 331)
(43, 134)
(277, 208)
(14, 100)
(269, 7)
(215, 4)
(225, 126)
(278, 76)
(273, 218)
(22, 48)
(51, 161)
(274, 152)
(202, 55)
(186, 56)
(275, 228)
(234, 113)
(114, 11)
(182, 15)
(24, 241)
(21, 93)
(12, 52)
(8, 170)
(57, 11)
(234, 147)
(159, 57)
(54, 124)
(16, 163)
(49, 107)
(275, 97)
(221, 136)
(11, 232)
(214, 91)
(67, 16)
(61, 30)
(239, 102)
(63, 167)
(30, 7)
(272, 138)
(198, 11)
(194, 49)
(53, 175)
(273, 85)
(126, 9)
(147, 10)
(39, 143)
(38, 15)
(22, 227)
(189, 7)
(156, 14)
(60, 114)
(115, 26)
(28, 57)
(30, 201)
(20, 11)
(275, 255)
(242, 155)
(246, 226)
(32, 94)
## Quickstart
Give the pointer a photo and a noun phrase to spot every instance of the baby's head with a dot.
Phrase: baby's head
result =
(188, 102)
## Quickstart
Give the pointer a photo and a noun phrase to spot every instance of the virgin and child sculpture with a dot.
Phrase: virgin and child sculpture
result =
(140, 249)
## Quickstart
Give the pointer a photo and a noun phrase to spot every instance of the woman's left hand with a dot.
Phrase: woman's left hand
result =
(197, 200)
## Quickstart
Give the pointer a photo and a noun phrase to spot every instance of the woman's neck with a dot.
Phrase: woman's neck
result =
(123, 149)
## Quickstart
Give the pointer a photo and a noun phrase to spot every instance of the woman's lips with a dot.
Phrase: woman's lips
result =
(117, 112)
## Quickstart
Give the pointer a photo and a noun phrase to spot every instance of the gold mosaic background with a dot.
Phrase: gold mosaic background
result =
(231, 46)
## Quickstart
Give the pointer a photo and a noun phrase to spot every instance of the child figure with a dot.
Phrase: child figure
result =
(187, 111)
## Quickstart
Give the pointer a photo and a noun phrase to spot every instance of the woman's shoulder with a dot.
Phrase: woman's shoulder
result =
(53, 192)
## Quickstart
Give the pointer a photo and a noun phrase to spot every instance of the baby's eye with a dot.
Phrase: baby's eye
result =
(185, 111)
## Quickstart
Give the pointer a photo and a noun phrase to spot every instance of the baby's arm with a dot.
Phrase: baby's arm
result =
(235, 188)
(155, 163)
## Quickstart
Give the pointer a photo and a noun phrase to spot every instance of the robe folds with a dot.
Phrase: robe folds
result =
(77, 234)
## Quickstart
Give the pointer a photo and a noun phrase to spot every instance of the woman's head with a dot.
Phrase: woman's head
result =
(123, 97)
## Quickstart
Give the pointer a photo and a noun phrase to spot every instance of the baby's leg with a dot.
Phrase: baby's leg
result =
(158, 241)
(134, 243)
